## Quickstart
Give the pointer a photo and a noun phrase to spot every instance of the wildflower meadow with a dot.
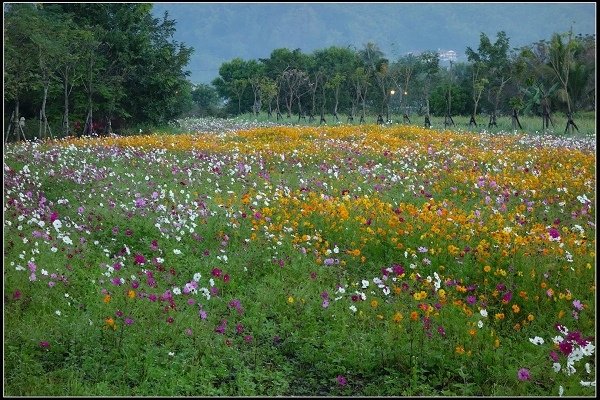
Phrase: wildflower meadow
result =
(285, 260)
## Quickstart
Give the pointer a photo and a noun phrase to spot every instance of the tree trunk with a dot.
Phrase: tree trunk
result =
(17, 120)
(66, 114)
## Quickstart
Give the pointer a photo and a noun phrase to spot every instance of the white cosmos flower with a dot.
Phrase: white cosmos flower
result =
(480, 324)
(197, 276)
(537, 340)
(177, 251)
(353, 308)
(176, 291)
(556, 367)
(57, 224)
(588, 350)
(483, 313)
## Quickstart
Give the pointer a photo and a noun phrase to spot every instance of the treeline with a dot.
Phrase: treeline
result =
(547, 76)
(80, 69)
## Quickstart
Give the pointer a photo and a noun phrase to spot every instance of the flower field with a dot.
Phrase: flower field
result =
(350, 260)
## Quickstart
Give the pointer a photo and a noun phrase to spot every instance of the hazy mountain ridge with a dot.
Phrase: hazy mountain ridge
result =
(221, 32)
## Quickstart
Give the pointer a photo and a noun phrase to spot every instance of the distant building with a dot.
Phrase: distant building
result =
(447, 55)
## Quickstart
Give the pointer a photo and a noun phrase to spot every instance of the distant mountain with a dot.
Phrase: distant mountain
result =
(220, 32)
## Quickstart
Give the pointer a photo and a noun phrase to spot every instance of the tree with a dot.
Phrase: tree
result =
(293, 82)
(427, 68)
(20, 68)
(492, 62)
(406, 67)
(206, 99)
(268, 90)
(360, 82)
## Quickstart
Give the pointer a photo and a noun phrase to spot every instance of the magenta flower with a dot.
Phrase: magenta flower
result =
(398, 270)
(239, 328)
(216, 272)
(16, 295)
(523, 374)
(128, 321)
(44, 344)
(221, 327)
(341, 380)
(554, 233)
(139, 259)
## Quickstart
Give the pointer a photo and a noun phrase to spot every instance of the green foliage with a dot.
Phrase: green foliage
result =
(113, 61)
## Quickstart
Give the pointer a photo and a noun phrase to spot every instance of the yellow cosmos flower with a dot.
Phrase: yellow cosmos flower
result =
(398, 317)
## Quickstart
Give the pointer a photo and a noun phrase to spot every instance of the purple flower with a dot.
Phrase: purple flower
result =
(398, 270)
(325, 303)
(221, 327)
(16, 295)
(471, 300)
(341, 380)
(565, 347)
(202, 314)
(239, 328)
(554, 356)
(128, 321)
(577, 304)
(554, 233)
(523, 374)
(329, 261)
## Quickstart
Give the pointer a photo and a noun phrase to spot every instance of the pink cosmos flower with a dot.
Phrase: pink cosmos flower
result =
(341, 380)
(523, 374)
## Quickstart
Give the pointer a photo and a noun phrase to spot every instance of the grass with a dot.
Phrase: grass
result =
(290, 261)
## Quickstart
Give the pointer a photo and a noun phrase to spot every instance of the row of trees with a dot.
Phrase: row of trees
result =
(91, 67)
(547, 76)
(94, 67)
